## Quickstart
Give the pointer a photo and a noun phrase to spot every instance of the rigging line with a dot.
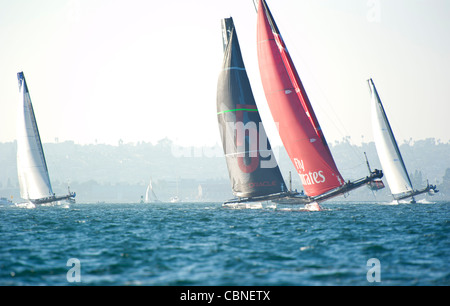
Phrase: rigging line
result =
(254, 4)
(338, 125)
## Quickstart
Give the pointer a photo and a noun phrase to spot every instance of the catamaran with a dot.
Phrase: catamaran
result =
(389, 153)
(299, 128)
(252, 166)
(34, 180)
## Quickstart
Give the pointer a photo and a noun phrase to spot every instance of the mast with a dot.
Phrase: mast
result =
(299, 128)
(252, 167)
(290, 181)
(367, 162)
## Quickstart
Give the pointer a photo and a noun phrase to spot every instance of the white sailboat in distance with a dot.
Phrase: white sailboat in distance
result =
(389, 154)
(150, 195)
(34, 180)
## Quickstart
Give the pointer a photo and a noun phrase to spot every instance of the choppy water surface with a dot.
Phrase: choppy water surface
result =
(205, 244)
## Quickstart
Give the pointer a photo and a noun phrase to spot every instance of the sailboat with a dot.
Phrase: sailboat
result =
(389, 153)
(176, 198)
(199, 192)
(5, 201)
(34, 180)
(299, 128)
(150, 195)
(252, 166)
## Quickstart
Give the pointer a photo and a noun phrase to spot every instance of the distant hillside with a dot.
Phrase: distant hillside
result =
(121, 173)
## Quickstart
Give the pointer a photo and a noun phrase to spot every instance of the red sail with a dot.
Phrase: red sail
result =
(290, 107)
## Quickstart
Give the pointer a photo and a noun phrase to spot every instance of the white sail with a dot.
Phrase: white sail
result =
(147, 197)
(31, 166)
(388, 152)
(150, 195)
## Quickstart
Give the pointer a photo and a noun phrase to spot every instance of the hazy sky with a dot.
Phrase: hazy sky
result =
(104, 70)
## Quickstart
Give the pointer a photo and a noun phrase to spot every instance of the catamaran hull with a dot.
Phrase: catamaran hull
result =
(70, 197)
(294, 198)
(430, 189)
(347, 187)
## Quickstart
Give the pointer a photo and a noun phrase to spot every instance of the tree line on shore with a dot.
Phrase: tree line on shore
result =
(115, 173)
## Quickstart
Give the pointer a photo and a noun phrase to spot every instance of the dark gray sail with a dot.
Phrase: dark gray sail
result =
(251, 163)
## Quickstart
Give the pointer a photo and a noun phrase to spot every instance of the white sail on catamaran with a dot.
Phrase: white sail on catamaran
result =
(34, 180)
(389, 154)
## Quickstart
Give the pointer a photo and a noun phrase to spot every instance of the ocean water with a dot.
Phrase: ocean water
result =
(204, 244)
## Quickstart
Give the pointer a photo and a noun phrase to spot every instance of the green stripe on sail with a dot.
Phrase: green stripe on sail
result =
(237, 110)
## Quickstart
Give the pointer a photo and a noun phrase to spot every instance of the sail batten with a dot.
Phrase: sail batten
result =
(252, 166)
(299, 128)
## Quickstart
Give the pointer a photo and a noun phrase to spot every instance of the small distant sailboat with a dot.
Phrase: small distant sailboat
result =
(299, 128)
(199, 192)
(389, 153)
(6, 202)
(176, 198)
(34, 180)
(150, 195)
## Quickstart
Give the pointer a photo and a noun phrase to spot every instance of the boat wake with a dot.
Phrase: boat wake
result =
(27, 205)
(393, 202)
(313, 207)
(258, 205)
(425, 201)
(253, 205)
(30, 205)
(399, 202)
(307, 207)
